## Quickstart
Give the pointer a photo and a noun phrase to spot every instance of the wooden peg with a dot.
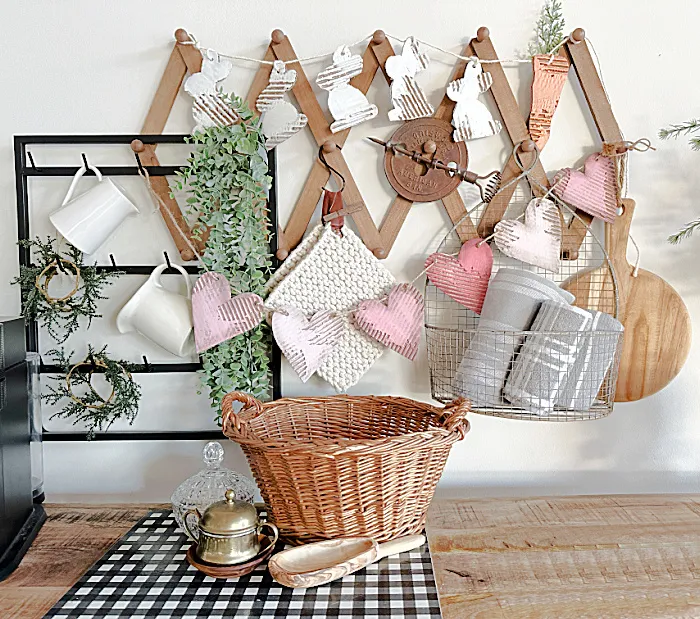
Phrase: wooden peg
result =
(282, 253)
(181, 35)
(578, 35)
(527, 146)
(378, 37)
(138, 146)
(329, 146)
(277, 36)
(429, 147)
(380, 253)
(482, 34)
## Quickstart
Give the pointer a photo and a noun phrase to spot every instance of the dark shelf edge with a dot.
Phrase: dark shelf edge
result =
(155, 435)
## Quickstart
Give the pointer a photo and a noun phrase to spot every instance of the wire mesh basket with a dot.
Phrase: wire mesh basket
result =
(546, 345)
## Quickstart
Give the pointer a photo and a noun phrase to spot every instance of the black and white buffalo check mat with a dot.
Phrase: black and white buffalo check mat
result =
(145, 574)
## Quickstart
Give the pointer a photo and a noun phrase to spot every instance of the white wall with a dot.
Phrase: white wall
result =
(92, 67)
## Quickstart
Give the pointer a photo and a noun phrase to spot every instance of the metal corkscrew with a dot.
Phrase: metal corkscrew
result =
(487, 184)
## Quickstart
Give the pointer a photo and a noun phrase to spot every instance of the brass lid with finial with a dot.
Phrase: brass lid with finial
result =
(229, 517)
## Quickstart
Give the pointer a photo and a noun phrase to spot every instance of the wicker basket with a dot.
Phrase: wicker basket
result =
(345, 465)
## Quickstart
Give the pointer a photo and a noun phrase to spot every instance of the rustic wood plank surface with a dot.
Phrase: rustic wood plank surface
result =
(72, 539)
(632, 556)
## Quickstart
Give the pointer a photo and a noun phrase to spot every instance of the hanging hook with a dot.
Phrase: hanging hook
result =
(86, 165)
(91, 360)
(113, 261)
(31, 159)
(329, 147)
(142, 170)
(146, 364)
(59, 264)
(167, 259)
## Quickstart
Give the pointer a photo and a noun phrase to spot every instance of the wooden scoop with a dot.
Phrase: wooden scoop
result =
(657, 325)
(316, 564)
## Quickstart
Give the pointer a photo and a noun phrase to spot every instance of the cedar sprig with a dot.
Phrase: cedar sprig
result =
(60, 319)
(683, 129)
(123, 405)
(549, 29)
(686, 128)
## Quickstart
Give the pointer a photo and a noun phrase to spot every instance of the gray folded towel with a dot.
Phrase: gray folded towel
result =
(596, 354)
(547, 356)
(511, 304)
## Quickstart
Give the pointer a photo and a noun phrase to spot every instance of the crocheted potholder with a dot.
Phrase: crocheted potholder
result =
(328, 271)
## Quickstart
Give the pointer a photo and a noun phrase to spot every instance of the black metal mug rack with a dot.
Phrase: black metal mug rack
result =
(25, 167)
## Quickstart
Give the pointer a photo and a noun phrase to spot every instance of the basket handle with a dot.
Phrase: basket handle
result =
(454, 416)
(229, 418)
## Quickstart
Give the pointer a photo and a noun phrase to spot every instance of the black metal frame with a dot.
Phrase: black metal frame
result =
(22, 174)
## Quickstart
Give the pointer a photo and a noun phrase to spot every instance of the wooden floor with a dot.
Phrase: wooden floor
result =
(603, 557)
(585, 557)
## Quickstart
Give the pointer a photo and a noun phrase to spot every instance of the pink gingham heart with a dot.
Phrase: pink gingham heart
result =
(396, 323)
(594, 190)
(537, 240)
(465, 278)
(306, 342)
(217, 317)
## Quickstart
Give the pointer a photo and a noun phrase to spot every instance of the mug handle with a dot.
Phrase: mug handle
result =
(158, 271)
(76, 178)
(188, 530)
(273, 528)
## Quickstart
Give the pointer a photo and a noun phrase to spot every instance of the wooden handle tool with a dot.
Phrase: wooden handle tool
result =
(319, 563)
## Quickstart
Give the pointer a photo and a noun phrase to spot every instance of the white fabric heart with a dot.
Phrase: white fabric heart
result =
(536, 241)
(306, 342)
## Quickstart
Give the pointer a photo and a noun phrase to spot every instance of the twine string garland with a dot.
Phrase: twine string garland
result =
(307, 59)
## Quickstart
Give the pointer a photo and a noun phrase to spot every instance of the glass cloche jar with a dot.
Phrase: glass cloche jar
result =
(208, 486)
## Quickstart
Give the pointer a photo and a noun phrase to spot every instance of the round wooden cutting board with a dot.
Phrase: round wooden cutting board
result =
(657, 325)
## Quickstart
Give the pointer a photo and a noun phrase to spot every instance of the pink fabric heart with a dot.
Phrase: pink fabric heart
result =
(217, 317)
(537, 240)
(594, 190)
(465, 278)
(306, 342)
(396, 323)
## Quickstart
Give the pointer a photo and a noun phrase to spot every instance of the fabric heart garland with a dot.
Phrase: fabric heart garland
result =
(594, 190)
(537, 240)
(216, 316)
(306, 342)
(395, 323)
(465, 278)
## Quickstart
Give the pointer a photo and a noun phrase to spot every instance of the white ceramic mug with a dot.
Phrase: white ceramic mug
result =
(161, 315)
(89, 219)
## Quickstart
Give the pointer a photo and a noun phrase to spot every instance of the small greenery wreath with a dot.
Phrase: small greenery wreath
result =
(227, 179)
(60, 315)
(97, 412)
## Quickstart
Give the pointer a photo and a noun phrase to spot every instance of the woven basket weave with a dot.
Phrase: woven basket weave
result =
(345, 465)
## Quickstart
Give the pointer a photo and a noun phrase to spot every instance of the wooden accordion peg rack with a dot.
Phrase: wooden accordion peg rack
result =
(187, 58)
(379, 240)
(577, 53)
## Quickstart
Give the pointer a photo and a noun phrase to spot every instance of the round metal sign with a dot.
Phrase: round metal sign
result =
(415, 180)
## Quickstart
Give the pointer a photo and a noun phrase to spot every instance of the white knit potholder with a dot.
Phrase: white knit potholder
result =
(332, 272)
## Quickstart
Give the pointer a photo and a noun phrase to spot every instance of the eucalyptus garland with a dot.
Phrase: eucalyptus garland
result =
(60, 316)
(84, 404)
(227, 179)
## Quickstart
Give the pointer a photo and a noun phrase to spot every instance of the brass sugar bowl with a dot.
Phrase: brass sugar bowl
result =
(229, 531)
